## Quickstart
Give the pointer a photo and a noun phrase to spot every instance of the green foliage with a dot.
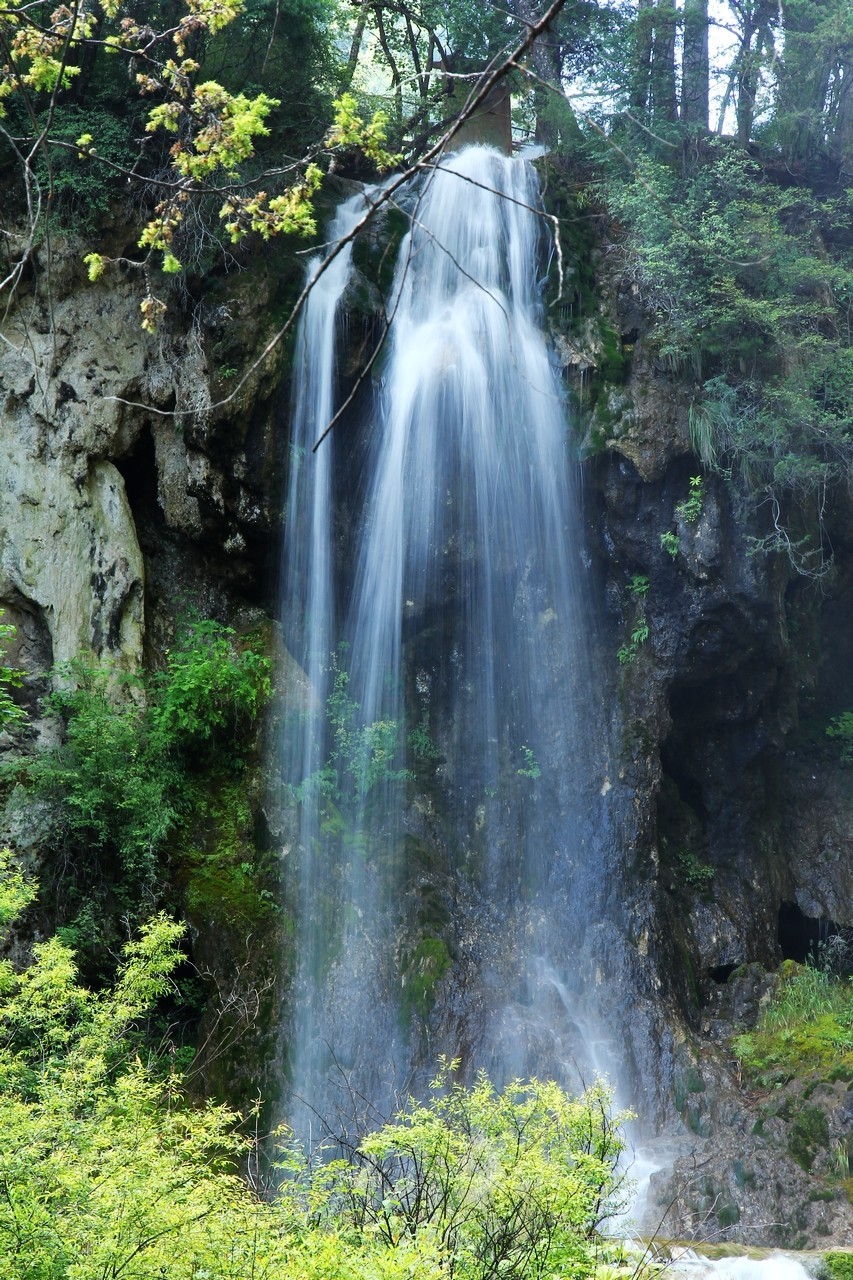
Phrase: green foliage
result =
(691, 508)
(75, 84)
(639, 635)
(806, 1029)
(516, 1184)
(225, 880)
(695, 873)
(107, 1169)
(751, 284)
(210, 689)
(638, 588)
(361, 756)
(16, 893)
(103, 1165)
(132, 772)
(82, 187)
(530, 768)
(351, 131)
(10, 678)
(837, 1266)
(422, 972)
(421, 744)
(841, 727)
(809, 1132)
(688, 511)
(113, 793)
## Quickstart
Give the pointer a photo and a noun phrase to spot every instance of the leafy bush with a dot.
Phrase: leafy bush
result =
(132, 771)
(210, 690)
(83, 189)
(691, 508)
(695, 873)
(837, 1266)
(10, 713)
(514, 1184)
(108, 1170)
(104, 1166)
(807, 1027)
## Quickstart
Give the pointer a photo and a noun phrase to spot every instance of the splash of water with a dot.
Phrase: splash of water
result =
(776, 1266)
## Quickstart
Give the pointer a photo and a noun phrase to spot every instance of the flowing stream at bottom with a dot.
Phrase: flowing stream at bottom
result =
(776, 1266)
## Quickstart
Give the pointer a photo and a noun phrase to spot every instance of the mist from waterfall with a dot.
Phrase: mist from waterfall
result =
(445, 746)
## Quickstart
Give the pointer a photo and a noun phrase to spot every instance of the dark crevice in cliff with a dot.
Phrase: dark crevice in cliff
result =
(138, 469)
(803, 938)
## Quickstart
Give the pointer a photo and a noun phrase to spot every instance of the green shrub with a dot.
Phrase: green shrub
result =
(132, 771)
(516, 1184)
(10, 713)
(82, 188)
(807, 1028)
(211, 689)
(691, 508)
(838, 1266)
(109, 1170)
(695, 873)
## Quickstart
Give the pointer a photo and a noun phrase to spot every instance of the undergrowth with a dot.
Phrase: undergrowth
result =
(128, 791)
(807, 1029)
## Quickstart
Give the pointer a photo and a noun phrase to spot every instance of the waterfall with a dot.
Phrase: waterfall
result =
(446, 746)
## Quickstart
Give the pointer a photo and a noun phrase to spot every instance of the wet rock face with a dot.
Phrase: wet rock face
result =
(114, 519)
(130, 497)
(742, 812)
(101, 497)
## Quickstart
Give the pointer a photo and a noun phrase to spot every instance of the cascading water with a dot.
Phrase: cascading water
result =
(447, 751)
(777, 1266)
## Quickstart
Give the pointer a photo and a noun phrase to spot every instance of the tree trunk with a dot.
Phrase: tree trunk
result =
(807, 65)
(550, 103)
(843, 137)
(642, 61)
(695, 66)
(663, 99)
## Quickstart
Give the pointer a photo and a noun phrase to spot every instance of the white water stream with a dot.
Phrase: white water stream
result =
(777, 1266)
(448, 713)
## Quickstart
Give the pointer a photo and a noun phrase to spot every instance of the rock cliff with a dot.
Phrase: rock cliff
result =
(129, 493)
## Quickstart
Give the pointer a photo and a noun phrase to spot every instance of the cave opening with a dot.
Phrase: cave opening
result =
(804, 938)
(138, 469)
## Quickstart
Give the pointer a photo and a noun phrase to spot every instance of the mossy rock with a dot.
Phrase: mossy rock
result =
(687, 1082)
(809, 1133)
(727, 1215)
(744, 1177)
(375, 252)
(422, 972)
(227, 879)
